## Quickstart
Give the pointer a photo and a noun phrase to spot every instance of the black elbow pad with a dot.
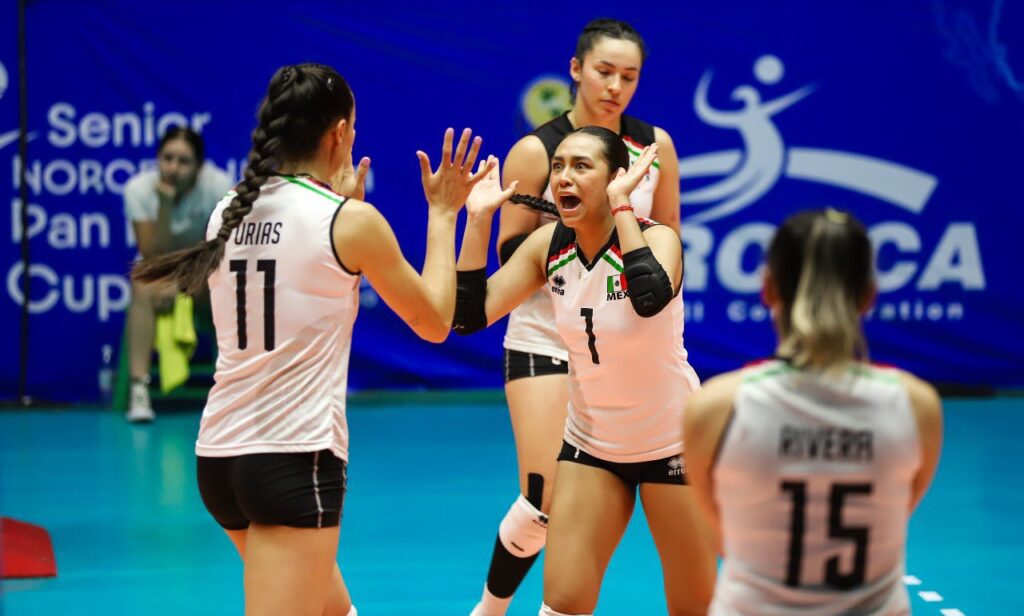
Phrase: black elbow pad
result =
(509, 246)
(470, 293)
(650, 290)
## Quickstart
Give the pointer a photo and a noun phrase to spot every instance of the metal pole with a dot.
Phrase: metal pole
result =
(23, 394)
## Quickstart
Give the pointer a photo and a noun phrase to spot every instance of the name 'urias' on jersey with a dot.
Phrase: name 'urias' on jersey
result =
(629, 376)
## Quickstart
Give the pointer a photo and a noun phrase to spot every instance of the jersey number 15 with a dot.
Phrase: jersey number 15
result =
(857, 534)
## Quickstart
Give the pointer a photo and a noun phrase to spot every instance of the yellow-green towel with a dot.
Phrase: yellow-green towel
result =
(175, 341)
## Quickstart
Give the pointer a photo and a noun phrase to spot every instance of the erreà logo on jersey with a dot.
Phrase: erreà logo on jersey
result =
(676, 466)
(741, 177)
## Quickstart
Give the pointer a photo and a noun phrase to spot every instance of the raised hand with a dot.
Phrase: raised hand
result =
(487, 196)
(350, 181)
(624, 182)
(449, 186)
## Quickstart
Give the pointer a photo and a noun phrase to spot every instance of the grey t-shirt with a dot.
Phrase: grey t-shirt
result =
(190, 215)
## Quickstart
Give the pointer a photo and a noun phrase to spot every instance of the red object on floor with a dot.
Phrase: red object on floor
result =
(25, 550)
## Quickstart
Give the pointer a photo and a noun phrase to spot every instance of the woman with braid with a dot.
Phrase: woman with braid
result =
(284, 255)
(614, 280)
(810, 464)
(605, 71)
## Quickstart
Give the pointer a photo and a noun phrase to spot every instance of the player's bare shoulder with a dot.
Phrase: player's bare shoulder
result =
(922, 393)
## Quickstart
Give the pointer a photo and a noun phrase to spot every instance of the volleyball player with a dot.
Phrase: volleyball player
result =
(810, 464)
(605, 71)
(284, 255)
(614, 281)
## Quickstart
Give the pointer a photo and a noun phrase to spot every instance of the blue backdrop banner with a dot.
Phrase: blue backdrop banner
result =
(909, 114)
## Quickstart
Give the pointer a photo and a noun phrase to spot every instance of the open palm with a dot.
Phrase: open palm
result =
(449, 186)
(625, 182)
(487, 196)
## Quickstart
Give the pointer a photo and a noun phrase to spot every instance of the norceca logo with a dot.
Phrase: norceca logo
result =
(11, 135)
(745, 175)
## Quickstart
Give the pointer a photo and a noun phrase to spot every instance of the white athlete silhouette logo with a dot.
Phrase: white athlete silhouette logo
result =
(750, 173)
(11, 135)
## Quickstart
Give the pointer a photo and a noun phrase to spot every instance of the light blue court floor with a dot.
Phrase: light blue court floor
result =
(428, 484)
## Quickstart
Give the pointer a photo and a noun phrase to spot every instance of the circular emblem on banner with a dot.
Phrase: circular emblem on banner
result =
(545, 98)
(3, 79)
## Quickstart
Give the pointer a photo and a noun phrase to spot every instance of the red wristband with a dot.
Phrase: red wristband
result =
(622, 208)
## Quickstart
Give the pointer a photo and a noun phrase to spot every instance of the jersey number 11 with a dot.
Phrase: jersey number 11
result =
(269, 269)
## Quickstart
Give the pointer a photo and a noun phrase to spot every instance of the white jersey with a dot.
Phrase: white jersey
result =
(284, 308)
(531, 326)
(813, 484)
(628, 375)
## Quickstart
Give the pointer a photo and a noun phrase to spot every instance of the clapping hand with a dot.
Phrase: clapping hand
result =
(624, 182)
(450, 185)
(487, 196)
(350, 181)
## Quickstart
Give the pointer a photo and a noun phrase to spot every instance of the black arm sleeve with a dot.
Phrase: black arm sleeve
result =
(510, 246)
(650, 290)
(470, 294)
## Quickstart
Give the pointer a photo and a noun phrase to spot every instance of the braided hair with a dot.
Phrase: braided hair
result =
(302, 102)
(536, 204)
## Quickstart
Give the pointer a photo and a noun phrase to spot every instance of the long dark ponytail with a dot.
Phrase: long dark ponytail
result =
(302, 102)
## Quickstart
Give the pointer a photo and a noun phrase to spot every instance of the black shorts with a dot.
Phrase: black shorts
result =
(670, 470)
(520, 365)
(304, 490)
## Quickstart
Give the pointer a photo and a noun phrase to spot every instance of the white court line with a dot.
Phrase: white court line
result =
(930, 596)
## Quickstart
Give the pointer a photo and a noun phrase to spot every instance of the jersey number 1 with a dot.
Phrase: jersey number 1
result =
(836, 530)
(588, 316)
(269, 269)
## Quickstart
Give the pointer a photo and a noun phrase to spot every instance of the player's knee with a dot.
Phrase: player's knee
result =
(524, 529)
(546, 610)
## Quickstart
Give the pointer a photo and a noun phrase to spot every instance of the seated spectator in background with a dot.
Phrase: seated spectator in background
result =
(169, 207)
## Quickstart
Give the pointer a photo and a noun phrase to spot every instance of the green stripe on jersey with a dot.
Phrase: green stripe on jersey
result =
(561, 263)
(856, 369)
(764, 372)
(297, 182)
(635, 152)
(613, 260)
(871, 372)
